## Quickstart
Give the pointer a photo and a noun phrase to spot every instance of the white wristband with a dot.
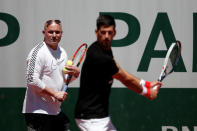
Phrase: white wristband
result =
(144, 89)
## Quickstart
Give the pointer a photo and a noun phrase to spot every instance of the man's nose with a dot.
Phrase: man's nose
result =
(106, 35)
(54, 34)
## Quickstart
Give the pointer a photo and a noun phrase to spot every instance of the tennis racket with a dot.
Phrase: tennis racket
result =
(77, 59)
(171, 60)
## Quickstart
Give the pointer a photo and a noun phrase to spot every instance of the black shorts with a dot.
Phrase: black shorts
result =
(43, 122)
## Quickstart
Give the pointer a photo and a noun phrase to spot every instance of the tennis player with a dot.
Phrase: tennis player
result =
(97, 74)
(45, 81)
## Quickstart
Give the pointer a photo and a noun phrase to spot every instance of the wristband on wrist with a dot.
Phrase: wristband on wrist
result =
(145, 88)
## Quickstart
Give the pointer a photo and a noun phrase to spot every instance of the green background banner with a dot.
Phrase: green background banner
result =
(129, 111)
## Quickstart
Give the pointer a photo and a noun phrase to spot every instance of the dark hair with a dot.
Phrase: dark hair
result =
(105, 20)
(49, 22)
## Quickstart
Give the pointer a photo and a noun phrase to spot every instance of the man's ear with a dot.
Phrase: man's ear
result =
(114, 32)
(96, 32)
(43, 31)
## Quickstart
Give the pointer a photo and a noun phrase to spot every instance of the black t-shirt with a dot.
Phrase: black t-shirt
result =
(95, 83)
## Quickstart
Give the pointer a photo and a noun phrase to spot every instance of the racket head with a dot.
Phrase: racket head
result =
(79, 54)
(77, 59)
(171, 59)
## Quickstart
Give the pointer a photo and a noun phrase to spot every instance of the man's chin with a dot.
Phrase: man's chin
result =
(107, 46)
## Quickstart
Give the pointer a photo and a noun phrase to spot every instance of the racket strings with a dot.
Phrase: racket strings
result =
(174, 55)
(78, 55)
(173, 59)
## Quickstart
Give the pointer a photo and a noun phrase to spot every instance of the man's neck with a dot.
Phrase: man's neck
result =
(51, 46)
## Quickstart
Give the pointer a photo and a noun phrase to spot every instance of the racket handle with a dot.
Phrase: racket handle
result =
(68, 78)
(65, 87)
(160, 79)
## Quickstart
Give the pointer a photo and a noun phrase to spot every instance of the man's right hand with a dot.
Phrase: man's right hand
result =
(60, 95)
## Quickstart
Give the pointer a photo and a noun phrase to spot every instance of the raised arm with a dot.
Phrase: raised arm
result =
(137, 85)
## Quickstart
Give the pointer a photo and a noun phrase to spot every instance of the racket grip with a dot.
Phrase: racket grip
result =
(65, 87)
